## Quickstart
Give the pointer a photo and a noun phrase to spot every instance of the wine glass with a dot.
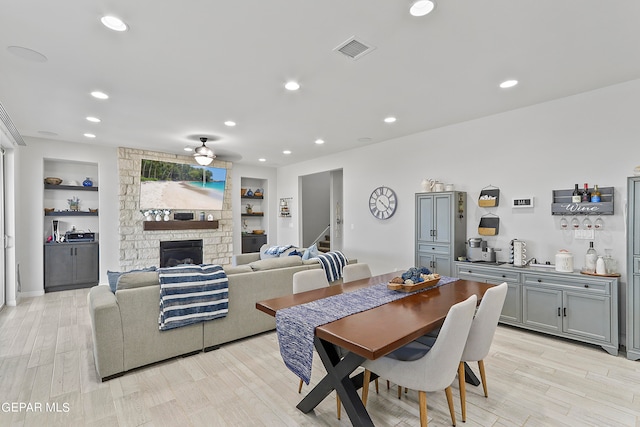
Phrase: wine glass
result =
(586, 223)
(575, 223)
(564, 223)
(598, 224)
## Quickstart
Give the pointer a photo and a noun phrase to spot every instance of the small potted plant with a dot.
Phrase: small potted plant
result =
(74, 203)
(249, 208)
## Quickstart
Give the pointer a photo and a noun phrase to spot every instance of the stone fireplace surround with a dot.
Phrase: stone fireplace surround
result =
(140, 248)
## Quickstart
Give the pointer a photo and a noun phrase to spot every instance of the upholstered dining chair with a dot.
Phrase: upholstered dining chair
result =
(481, 334)
(423, 368)
(356, 271)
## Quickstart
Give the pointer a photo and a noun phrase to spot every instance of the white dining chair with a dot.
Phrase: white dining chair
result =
(356, 271)
(483, 328)
(423, 368)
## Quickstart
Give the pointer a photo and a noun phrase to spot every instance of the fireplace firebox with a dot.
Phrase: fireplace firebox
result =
(177, 252)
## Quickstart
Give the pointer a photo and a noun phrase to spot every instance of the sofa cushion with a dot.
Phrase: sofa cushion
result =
(138, 279)
(310, 261)
(269, 264)
(113, 276)
(245, 268)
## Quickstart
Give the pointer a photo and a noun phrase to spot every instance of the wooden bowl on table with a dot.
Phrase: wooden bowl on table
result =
(258, 231)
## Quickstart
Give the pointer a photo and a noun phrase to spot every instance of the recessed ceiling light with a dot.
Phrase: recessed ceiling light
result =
(422, 7)
(188, 148)
(291, 85)
(508, 83)
(262, 160)
(89, 135)
(389, 119)
(286, 152)
(99, 95)
(319, 141)
(93, 119)
(113, 23)
(230, 123)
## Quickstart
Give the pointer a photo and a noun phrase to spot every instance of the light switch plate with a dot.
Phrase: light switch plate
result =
(522, 202)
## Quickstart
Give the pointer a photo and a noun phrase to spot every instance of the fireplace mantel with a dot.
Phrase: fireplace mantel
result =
(180, 225)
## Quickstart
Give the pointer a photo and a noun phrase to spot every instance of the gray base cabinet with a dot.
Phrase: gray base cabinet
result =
(633, 268)
(253, 242)
(70, 265)
(569, 305)
(441, 230)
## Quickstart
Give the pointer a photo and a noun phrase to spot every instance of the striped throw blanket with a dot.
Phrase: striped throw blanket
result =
(191, 294)
(332, 263)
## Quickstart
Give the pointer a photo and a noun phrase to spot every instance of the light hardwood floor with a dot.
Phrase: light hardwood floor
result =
(46, 359)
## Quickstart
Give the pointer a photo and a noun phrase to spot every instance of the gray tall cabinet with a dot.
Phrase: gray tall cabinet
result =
(441, 230)
(633, 268)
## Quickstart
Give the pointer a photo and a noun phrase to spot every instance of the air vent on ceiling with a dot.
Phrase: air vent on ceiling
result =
(354, 48)
(14, 135)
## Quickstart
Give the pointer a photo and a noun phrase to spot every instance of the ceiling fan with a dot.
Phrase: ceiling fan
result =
(203, 154)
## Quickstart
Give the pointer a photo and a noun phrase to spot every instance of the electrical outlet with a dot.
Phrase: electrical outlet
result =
(584, 234)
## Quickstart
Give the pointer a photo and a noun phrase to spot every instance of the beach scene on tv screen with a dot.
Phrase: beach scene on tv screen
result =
(167, 185)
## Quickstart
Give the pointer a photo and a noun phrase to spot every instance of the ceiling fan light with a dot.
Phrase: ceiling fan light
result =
(203, 154)
(422, 7)
(203, 160)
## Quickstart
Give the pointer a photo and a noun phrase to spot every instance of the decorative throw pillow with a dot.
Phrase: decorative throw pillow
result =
(264, 254)
(113, 276)
(311, 252)
(295, 252)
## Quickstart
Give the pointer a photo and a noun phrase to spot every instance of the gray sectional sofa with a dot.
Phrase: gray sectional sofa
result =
(124, 324)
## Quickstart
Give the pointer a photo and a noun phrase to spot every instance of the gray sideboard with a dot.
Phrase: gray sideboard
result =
(569, 305)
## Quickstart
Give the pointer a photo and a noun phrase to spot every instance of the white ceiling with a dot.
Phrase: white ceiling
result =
(184, 67)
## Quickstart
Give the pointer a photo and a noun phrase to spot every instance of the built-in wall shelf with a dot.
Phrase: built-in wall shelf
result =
(180, 225)
(253, 214)
(69, 187)
(71, 213)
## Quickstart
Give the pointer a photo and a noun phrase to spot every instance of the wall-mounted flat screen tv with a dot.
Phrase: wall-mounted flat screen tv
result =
(167, 185)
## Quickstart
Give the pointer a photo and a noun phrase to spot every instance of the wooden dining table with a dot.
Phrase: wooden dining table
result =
(370, 334)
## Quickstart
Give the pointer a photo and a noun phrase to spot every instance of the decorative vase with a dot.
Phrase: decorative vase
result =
(249, 193)
(158, 217)
(148, 217)
(87, 182)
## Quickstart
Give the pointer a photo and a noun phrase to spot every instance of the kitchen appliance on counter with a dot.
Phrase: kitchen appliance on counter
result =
(477, 251)
(519, 249)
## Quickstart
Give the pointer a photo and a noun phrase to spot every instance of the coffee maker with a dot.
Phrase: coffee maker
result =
(477, 251)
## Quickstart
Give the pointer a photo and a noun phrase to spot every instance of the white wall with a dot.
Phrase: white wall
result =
(29, 222)
(589, 137)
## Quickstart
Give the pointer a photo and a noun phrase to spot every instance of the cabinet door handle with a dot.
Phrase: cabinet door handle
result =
(559, 312)
(564, 312)
(70, 251)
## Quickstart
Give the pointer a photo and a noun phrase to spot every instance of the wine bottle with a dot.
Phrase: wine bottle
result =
(586, 196)
(596, 196)
(576, 196)
(590, 259)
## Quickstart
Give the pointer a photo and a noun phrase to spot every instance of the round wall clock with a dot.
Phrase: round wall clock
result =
(383, 202)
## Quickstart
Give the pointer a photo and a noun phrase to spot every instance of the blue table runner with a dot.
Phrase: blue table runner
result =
(296, 325)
